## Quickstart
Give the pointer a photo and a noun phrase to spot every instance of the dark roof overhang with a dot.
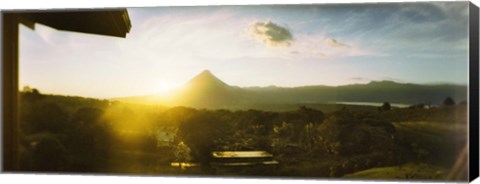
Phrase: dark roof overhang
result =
(111, 22)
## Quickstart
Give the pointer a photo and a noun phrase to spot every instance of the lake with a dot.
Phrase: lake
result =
(376, 104)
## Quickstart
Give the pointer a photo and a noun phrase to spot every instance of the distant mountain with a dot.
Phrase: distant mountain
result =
(204, 90)
(407, 93)
(207, 91)
(206, 80)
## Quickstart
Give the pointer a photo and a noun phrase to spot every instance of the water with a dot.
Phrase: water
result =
(375, 104)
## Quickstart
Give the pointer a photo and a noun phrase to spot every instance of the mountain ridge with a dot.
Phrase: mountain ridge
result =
(205, 90)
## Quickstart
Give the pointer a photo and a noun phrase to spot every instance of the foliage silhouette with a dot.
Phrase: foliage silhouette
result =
(74, 134)
(449, 101)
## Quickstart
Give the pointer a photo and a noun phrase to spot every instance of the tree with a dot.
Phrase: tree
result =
(47, 153)
(449, 101)
(182, 154)
(386, 106)
(312, 115)
(88, 139)
(309, 136)
(30, 94)
(44, 117)
(284, 130)
(346, 134)
(200, 132)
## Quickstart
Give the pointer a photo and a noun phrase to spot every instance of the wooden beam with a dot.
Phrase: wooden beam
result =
(10, 129)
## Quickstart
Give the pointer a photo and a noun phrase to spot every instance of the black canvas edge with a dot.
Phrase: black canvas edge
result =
(473, 92)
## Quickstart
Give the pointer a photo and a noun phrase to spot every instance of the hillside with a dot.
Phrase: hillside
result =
(207, 91)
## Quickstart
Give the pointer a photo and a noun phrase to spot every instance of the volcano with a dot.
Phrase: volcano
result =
(205, 90)
(206, 81)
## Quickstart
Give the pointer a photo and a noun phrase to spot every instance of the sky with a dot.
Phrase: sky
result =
(281, 45)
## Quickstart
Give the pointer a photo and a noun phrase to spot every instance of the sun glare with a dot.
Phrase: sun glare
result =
(164, 87)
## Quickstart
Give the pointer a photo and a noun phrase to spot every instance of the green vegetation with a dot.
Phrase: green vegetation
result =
(408, 171)
(74, 134)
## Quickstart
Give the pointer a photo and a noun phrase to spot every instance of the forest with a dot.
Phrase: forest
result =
(65, 134)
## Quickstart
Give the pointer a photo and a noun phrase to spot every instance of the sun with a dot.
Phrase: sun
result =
(164, 87)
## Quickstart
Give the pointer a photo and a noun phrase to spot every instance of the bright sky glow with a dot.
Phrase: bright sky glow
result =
(253, 46)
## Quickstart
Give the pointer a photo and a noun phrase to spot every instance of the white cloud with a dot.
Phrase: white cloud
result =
(334, 43)
(271, 33)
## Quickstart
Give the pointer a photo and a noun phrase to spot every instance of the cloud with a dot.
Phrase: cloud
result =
(392, 79)
(359, 79)
(272, 34)
(322, 48)
(396, 29)
(334, 43)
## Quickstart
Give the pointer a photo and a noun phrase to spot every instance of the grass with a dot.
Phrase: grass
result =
(435, 128)
(438, 143)
(435, 145)
(408, 171)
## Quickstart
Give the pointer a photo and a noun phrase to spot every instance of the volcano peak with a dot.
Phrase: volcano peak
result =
(206, 78)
